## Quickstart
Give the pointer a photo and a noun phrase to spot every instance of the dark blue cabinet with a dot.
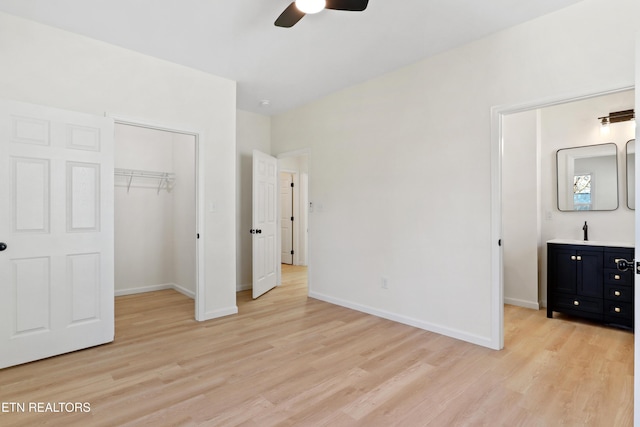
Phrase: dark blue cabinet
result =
(584, 281)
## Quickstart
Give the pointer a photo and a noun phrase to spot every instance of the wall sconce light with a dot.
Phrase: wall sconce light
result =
(615, 117)
(604, 126)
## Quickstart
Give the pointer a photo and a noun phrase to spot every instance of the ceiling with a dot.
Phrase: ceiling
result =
(323, 53)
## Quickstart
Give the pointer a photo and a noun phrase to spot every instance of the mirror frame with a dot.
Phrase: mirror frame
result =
(631, 176)
(585, 149)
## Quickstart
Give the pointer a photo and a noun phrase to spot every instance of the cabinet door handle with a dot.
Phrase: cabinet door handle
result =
(617, 310)
(579, 258)
(616, 293)
(573, 257)
(616, 277)
(576, 303)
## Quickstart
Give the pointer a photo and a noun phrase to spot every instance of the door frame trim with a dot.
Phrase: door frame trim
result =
(200, 309)
(497, 114)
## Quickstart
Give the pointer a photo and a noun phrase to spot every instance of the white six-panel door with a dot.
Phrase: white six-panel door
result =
(265, 222)
(56, 220)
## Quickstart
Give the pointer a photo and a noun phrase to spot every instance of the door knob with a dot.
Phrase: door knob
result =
(3, 246)
(623, 264)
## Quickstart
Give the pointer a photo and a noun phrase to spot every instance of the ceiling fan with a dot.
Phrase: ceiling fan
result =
(296, 10)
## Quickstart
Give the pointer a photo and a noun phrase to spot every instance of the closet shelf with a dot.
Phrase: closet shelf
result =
(164, 179)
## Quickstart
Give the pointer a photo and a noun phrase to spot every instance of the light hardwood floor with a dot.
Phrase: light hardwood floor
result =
(289, 360)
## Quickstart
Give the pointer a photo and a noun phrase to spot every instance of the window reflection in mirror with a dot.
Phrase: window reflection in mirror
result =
(588, 178)
(631, 174)
(582, 192)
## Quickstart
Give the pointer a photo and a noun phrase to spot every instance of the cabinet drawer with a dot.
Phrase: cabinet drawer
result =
(619, 313)
(610, 257)
(618, 293)
(573, 303)
(615, 276)
(618, 309)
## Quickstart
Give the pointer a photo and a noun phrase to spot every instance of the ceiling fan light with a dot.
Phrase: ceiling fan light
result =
(310, 6)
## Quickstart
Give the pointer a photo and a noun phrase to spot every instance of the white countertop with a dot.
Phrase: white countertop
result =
(592, 243)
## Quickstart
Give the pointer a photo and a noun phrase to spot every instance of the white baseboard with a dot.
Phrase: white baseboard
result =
(153, 288)
(221, 312)
(184, 291)
(244, 287)
(427, 326)
(522, 303)
(143, 289)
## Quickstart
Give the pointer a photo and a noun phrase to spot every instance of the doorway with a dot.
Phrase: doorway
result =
(294, 172)
(287, 219)
(156, 210)
(541, 220)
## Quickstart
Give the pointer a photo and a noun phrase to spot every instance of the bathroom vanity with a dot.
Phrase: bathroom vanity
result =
(583, 280)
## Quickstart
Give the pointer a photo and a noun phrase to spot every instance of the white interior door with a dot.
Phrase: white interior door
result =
(56, 220)
(286, 218)
(265, 223)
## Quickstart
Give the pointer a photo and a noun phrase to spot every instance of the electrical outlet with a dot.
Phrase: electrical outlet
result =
(384, 283)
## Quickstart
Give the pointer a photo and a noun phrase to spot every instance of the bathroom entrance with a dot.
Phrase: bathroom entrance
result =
(528, 195)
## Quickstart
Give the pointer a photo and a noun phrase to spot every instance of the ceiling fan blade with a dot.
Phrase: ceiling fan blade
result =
(353, 5)
(289, 17)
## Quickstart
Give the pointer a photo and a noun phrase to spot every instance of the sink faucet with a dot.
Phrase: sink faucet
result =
(585, 228)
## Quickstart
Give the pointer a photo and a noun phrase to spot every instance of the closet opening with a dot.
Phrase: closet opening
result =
(156, 210)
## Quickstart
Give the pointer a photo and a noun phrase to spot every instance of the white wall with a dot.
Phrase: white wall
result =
(143, 218)
(253, 132)
(402, 164)
(521, 209)
(47, 66)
